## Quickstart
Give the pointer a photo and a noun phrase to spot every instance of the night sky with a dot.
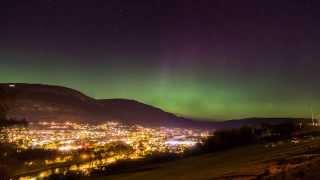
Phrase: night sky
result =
(216, 59)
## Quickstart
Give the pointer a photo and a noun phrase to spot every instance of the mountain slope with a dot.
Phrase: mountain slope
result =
(136, 112)
(37, 102)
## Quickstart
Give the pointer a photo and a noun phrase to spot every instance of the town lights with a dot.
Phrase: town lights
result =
(83, 147)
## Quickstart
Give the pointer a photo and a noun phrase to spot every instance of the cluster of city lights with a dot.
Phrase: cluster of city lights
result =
(87, 147)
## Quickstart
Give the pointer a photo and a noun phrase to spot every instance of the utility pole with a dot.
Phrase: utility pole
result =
(312, 117)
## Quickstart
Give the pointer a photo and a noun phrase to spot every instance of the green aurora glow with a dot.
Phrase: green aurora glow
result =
(219, 95)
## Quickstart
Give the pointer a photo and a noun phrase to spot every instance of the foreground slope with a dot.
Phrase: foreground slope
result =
(284, 161)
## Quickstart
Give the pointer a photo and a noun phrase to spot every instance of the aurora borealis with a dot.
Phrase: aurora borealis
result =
(211, 60)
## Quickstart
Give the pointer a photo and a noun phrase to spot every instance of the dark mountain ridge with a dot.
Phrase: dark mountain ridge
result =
(37, 102)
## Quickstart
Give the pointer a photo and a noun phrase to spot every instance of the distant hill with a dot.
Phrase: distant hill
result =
(236, 123)
(37, 102)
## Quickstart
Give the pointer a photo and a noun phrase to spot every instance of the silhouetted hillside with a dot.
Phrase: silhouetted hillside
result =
(37, 102)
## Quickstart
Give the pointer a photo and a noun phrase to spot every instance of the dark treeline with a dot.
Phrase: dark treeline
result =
(246, 135)
(224, 139)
